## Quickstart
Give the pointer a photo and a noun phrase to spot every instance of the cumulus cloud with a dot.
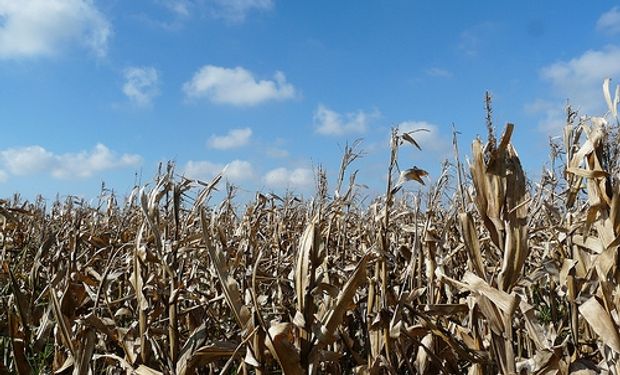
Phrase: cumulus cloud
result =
(235, 171)
(233, 139)
(328, 122)
(578, 80)
(27, 160)
(141, 84)
(31, 28)
(609, 22)
(299, 178)
(36, 159)
(237, 86)
(432, 140)
(87, 163)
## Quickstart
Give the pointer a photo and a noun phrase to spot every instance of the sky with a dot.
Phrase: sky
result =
(103, 91)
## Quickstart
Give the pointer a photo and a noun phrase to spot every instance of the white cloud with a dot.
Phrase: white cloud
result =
(235, 171)
(36, 159)
(239, 170)
(4, 177)
(237, 10)
(87, 163)
(581, 78)
(26, 160)
(300, 178)
(578, 80)
(430, 141)
(30, 28)
(609, 22)
(328, 122)
(202, 170)
(237, 86)
(141, 84)
(233, 139)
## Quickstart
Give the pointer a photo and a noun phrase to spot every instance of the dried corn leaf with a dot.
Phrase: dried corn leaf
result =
(229, 285)
(407, 137)
(20, 302)
(587, 173)
(333, 317)
(307, 244)
(212, 352)
(411, 174)
(18, 344)
(422, 359)
(601, 322)
(62, 322)
(85, 352)
(611, 105)
(470, 237)
(282, 348)
(145, 370)
(505, 302)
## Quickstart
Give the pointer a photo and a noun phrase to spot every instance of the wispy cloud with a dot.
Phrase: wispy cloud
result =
(472, 40)
(283, 178)
(469, 43)
(178, 7)
(237, 10)
(32, 28)
(4, 177)
(233, 139)
(237, 86)
(328, 122)
(36, 159)
(229, 11)
(551, 115)
(609, 22)
(276, 152)
(438, 72)
(141, 84)
(179, 12)
(236, 171)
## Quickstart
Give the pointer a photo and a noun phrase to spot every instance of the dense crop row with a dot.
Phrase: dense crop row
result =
(486, 272)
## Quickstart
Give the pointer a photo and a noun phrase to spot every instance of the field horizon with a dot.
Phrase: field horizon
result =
(302, 188)
(480, 274)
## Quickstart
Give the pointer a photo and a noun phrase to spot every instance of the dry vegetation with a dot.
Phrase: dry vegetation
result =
(484, 273)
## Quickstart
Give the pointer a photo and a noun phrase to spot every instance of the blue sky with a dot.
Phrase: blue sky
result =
(96, 91)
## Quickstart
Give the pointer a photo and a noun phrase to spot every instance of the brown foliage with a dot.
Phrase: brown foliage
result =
(502, 277)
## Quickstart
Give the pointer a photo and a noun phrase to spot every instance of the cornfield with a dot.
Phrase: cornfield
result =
(486, 272)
